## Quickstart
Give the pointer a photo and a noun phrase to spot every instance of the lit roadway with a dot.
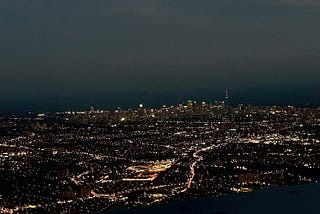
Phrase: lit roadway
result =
(194, 163)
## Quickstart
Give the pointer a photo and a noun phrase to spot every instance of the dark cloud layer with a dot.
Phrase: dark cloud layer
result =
(63, 48)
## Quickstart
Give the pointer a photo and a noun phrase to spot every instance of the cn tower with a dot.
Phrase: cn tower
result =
(226, 95)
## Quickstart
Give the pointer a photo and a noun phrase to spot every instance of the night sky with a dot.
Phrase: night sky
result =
(59, 54)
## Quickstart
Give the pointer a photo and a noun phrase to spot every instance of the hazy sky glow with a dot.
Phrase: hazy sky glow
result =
(110, 47)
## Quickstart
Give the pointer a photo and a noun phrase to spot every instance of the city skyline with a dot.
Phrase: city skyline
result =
(263, 97)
